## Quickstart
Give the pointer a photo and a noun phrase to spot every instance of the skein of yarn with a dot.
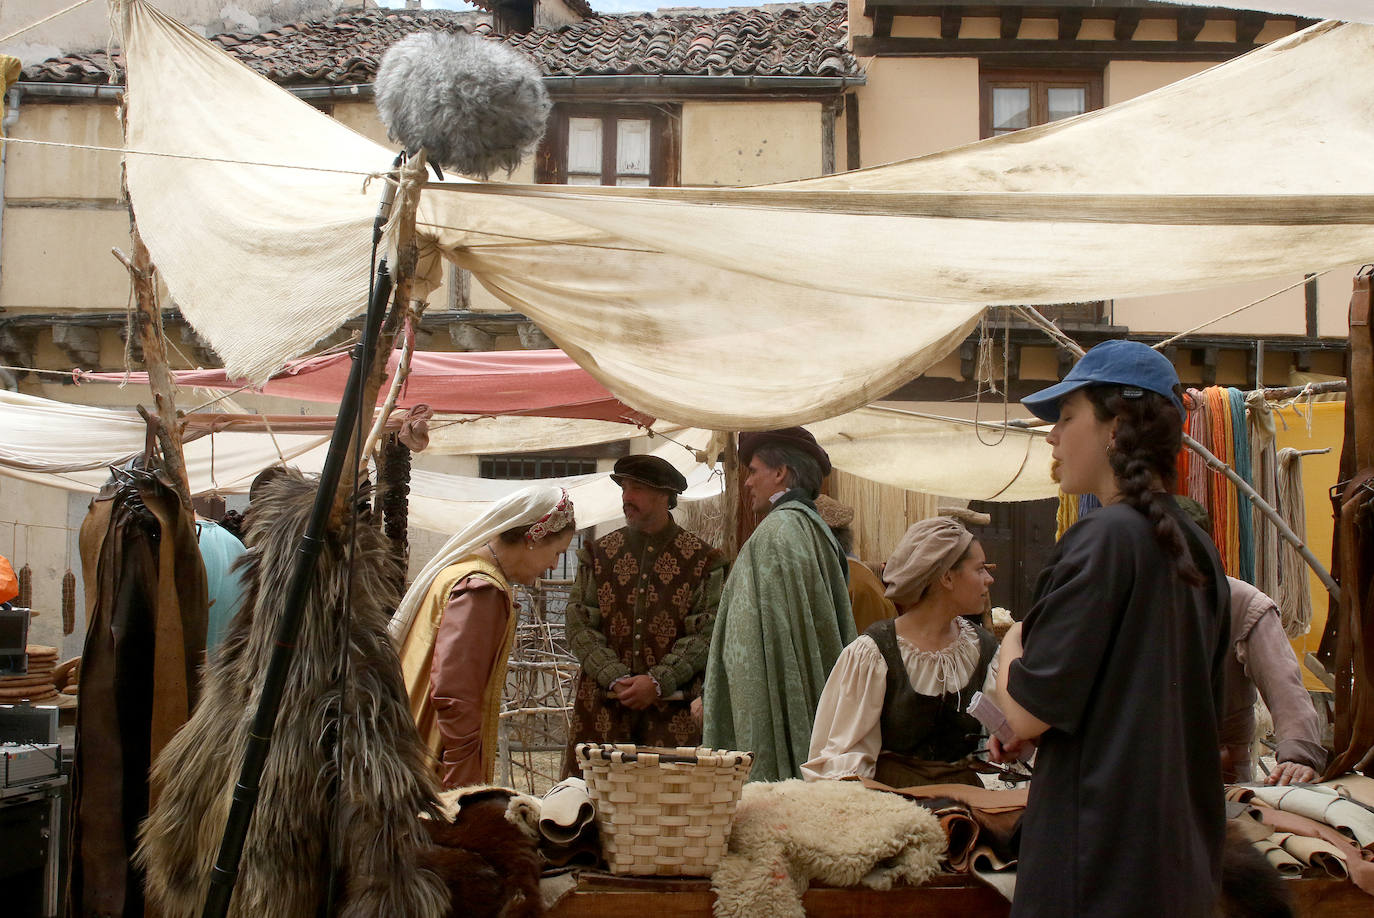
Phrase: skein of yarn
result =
(1295, 595)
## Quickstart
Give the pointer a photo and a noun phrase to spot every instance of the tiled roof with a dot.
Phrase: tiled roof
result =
(801, 40)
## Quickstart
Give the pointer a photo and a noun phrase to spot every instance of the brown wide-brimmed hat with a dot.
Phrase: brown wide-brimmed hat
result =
(651, 471)
(795, 437)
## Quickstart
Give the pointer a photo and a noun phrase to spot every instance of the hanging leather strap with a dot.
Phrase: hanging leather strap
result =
(1359, 399)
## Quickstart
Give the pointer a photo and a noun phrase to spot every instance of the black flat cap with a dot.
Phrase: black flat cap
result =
(795, 437)
(649, 470)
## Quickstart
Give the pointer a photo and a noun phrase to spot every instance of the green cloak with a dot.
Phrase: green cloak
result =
(784, 618)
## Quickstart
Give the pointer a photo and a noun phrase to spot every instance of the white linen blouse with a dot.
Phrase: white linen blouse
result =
(847, 734)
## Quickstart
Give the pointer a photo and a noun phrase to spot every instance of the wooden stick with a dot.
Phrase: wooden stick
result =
(402, 371)
(730, 464)
(1269, 513)
(147, 321)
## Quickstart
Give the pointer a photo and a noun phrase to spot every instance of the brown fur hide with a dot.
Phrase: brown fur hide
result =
(491, 866)
(385, 781)
(1250, 886)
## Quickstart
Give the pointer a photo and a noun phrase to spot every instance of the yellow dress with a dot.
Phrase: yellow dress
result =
(417, 657)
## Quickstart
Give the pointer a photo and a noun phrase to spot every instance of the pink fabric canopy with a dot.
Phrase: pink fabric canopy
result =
(539, 383)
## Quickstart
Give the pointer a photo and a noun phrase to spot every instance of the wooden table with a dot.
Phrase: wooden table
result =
(600, 895)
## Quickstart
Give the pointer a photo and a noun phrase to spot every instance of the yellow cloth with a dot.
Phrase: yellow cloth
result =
(1319, 472)
(866, 596)
(10, 68)
(417, 656)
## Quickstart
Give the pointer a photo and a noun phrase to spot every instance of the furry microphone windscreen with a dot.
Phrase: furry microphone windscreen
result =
(475, 106)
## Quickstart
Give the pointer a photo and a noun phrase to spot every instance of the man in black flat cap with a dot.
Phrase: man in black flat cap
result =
(784, 614)
(640, 616)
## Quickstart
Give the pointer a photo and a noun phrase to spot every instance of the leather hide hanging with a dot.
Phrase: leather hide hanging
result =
(145, 643)
(1348, 642)
(381, 778)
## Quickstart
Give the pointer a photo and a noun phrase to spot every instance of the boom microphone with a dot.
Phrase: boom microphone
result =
(475, 106)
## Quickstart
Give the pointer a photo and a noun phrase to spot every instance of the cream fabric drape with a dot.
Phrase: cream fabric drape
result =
(752, 308)
(945, 457)
(891, 446)
(72, 447)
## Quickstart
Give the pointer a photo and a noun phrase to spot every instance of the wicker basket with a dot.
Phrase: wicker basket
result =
(663, 812)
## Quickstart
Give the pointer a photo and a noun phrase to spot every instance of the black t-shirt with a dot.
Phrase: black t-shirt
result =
(1124, 660)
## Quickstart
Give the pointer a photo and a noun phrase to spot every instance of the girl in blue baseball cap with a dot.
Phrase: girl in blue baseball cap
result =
(1116, 671)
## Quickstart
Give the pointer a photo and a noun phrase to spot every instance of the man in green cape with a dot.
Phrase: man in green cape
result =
(784, 612)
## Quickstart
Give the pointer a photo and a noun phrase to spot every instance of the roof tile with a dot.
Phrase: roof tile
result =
(802, 40)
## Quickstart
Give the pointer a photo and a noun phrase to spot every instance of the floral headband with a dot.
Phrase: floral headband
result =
(554, 521)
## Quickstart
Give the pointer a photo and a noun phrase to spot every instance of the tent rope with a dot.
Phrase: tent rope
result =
(1226, 315)
(47, 18)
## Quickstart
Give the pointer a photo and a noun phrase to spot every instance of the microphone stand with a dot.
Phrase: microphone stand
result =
(225, 872)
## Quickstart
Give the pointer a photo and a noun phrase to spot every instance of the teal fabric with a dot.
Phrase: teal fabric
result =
(219, 549)
(784, 618)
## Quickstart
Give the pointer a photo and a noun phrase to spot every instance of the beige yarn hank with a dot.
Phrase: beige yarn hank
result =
(1295, 596)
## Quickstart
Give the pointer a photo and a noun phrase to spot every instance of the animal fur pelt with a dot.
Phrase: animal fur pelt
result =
(485, 848)
(383, 786)
(788, 833)
(1250, 886)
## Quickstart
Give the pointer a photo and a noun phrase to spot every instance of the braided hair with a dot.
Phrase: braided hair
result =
(1144, 455)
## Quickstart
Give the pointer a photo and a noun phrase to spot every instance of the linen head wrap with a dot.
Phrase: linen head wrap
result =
(927, 550)
(523, 508)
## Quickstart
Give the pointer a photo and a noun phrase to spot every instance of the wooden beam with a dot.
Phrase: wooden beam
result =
(1070, 21)
(829, 110)
(852, 158)
(1309, 291)
(1190, 23)
(968, 359)
(1011, 22)
(1248, 26)
(950, 22)
(1127, 21)
(882, 22)
(1061, 54)
(1209, 365)
(147, 321)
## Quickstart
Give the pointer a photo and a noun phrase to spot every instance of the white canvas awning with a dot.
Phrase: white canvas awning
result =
(754, 308)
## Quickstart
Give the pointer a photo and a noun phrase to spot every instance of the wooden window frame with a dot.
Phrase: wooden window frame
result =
(1039, 82)
(551, 165)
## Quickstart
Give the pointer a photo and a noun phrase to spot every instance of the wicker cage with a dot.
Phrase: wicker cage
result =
(663, 812)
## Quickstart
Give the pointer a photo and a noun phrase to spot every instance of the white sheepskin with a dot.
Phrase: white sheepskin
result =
(840, 833)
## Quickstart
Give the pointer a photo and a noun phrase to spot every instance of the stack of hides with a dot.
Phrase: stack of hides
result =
(1323, 829)
(840, 833)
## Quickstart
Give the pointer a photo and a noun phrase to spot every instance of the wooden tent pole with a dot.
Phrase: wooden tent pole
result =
(147, 322)
(411, 180)
(729, 461)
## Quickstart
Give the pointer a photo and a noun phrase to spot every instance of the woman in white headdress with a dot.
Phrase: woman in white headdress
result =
(455, 626)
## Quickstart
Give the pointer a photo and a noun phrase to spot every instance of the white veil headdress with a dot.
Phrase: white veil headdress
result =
(523, 508)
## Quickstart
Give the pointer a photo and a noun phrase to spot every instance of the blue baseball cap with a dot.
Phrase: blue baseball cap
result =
(1129, 364)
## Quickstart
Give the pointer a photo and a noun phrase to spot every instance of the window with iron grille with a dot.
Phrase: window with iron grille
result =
(525, 468)
(530, 468)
